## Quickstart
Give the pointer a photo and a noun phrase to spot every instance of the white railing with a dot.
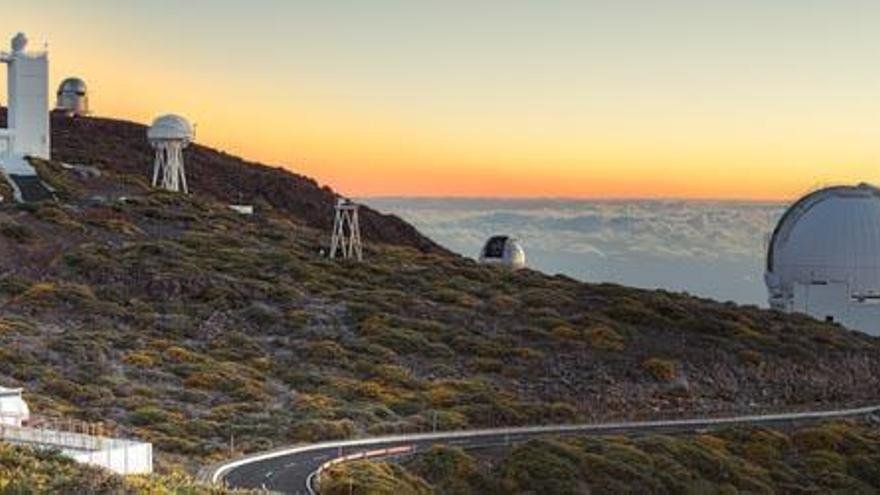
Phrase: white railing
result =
(51, 438)
(315, 477)
(118, 455)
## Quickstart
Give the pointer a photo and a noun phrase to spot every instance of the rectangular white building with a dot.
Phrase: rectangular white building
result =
(27, 131)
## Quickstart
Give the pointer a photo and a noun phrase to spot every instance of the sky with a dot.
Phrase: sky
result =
(753, 99)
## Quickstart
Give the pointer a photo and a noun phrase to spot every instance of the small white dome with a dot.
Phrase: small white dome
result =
(504, 251)
(13, 409)
(72, 85)
(824, 257)
(170, 128)
(73, 96)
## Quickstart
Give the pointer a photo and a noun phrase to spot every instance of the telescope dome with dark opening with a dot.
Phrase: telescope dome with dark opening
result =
(504, 251)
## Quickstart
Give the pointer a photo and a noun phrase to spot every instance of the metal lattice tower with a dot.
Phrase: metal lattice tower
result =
(168, 170)
(346, 232)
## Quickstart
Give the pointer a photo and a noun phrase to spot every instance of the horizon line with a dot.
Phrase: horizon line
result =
(573, 198)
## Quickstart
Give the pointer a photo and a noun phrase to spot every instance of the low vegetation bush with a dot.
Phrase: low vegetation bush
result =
(171, 318)
(27, 471)
(738, 460)
(663, 370)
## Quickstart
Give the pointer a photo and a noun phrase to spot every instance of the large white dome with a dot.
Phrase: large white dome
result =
(825, 254)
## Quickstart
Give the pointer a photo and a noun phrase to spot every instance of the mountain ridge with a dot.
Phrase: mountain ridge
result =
(122, 146)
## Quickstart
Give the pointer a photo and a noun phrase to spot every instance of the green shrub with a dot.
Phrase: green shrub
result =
(604, 338)
(663, 370)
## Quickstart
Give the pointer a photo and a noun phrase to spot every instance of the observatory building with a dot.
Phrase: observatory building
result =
(14, 410)
(73, 97)
(824, 257)
(170, 135)
(27, 132)
(503, 251)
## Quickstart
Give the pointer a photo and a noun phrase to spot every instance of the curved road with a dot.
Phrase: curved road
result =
(290, 470)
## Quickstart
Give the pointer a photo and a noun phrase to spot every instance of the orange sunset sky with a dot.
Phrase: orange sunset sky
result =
(697, 99)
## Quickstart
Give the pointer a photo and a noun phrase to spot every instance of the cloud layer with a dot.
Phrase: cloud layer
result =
(711, 249)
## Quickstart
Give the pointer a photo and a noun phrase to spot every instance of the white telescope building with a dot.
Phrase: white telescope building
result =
(14, 410)
(27, 132)
(824, 257)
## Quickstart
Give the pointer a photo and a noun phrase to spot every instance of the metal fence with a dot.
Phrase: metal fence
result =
(118, 455)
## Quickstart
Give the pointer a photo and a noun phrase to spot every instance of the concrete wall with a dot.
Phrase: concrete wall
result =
(121, 456)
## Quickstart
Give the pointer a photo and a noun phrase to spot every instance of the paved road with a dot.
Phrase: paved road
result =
(289, 470)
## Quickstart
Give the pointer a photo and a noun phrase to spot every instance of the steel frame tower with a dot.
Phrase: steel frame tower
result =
(346, 232)
(168, 169)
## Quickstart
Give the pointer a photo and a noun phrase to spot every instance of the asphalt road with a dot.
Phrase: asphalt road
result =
(288, 471)
(288, 474)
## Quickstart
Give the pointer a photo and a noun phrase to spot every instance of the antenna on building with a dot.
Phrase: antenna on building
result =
(346, 231)
(169, 135)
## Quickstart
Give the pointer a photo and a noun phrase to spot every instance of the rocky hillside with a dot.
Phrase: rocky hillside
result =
(122, 147)
(176, 320)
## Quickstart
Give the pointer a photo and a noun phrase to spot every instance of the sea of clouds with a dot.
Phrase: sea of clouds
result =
(707, 248)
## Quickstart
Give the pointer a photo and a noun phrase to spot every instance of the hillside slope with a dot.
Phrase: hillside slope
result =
(174, 319)
(122, 147)
(835, 457)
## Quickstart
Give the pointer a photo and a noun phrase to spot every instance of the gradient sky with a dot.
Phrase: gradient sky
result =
(688, 98)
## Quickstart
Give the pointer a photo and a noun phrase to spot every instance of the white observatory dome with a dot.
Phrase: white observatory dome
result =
(73, 97)
(170, 128)
(13, 409)
(504, 251)
(824, 257)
